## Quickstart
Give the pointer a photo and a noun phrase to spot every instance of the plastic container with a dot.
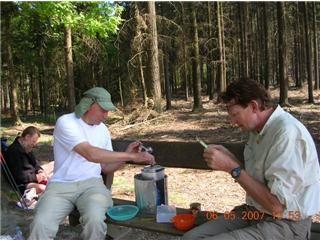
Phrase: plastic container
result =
(184, 222)
(122, 212)
(165, 213)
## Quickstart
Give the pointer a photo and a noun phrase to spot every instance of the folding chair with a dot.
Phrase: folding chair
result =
(15, 187)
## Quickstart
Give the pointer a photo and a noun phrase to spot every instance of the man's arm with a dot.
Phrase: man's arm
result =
(34, 161)
(219, 158)
(261, 194)
(133, 147)
(111, 167)
(99, 155)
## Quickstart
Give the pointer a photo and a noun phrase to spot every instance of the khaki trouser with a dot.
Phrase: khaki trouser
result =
(92, 199)
(240, 228)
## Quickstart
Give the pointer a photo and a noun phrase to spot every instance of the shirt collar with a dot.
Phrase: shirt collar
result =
(276, 113)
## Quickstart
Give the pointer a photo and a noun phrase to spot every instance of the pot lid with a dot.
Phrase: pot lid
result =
(153, 168)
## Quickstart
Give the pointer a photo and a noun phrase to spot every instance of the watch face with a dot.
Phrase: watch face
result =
(235, 173)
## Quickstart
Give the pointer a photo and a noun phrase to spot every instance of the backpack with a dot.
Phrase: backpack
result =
(4, 145)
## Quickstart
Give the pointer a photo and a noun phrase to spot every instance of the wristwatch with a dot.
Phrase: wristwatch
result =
(235, 173)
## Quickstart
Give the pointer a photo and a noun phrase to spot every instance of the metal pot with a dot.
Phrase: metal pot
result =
(153, 172)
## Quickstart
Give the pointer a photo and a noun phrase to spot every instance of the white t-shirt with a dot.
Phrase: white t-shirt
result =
(283, 156)
(70, 131)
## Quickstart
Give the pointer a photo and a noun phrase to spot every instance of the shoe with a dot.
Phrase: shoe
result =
(108, 237)
(27, 205)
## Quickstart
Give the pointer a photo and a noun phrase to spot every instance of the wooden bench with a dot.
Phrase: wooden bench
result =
(176, 155)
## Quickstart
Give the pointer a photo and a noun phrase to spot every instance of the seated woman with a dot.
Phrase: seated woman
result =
(24, 167)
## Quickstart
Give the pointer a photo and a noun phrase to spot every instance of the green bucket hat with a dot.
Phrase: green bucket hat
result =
(98, 95)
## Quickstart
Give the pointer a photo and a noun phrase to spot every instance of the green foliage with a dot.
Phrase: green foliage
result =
(37, 35)
(106, 56)
(89, 18)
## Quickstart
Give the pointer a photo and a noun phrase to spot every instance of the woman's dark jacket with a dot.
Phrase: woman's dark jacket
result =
(23, 166)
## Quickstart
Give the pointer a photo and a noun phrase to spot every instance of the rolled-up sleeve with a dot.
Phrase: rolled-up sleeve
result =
(285, 172)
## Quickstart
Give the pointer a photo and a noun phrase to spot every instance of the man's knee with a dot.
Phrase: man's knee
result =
(94, 226)
(189, 235)
(92, 217)
(196, 233)
(41, 229)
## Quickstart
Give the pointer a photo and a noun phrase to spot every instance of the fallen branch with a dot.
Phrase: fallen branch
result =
(140, 123)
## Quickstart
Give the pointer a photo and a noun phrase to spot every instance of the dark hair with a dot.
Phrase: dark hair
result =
(243, 91)
(30, 131)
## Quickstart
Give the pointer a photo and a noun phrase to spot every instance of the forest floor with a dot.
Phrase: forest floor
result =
(214, 190)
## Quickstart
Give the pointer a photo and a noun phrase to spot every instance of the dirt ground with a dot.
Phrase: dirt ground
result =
(214, 190)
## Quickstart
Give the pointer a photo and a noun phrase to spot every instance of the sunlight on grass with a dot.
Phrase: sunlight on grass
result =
(122, 186)
(113, 118)
(177, 199)
(45, 139)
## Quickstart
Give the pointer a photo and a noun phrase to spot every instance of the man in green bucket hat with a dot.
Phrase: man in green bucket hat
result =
(82, 149)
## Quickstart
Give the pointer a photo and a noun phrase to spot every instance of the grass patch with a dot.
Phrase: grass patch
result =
(122, 186)
(45, 139)
(177, 199)
(48, 120)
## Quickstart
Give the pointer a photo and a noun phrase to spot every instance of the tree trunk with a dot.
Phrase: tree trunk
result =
(172, 74)
(32, 92)
(302, 57)
(138, 37)
(154, 61)
(45, 78)
(308, 53)
(210, 60)
(185, 66)
(4, 95)
(315, 48)
(282, 54)
(167, 80)
(143, 82)
(243, 23)
(222, 71)
(13, 89)
(197, 104)
(69, 68)
(266, 46)
(296, 49)
(11, 76)
(119, 76)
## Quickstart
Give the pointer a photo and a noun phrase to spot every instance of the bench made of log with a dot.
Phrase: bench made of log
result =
(176, 155)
